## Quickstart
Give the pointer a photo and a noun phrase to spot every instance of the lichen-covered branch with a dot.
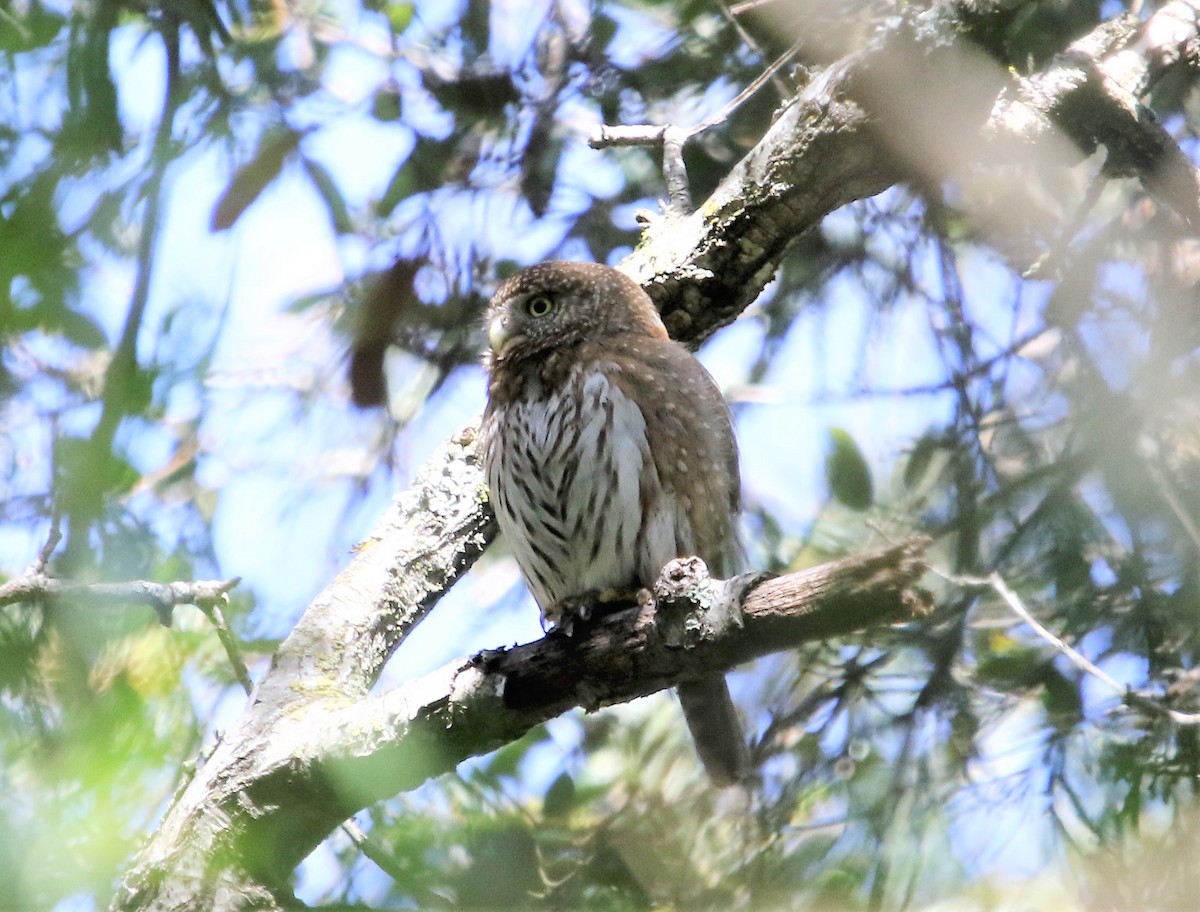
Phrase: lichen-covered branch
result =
(475, 705)
(270, 794)
(704, 269)
(431, 535)
(40, 587)
(918, 103)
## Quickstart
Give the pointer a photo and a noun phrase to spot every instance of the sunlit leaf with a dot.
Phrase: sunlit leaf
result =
(847, 472)
(150, 661)
(1060, 697)
(31, 27)
(91, 125)
(204, 20)
(476, 97)
(402, 185)
(1015, 669)
(18, 655)
(1070, 467)
(36, 249)
(476, 24)
(88, 474)
(387, 297)
(82, 329)
(919, 460)
(539, 164)
(399, 15)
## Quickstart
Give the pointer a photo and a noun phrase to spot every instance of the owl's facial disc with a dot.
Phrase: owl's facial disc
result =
(520, 320)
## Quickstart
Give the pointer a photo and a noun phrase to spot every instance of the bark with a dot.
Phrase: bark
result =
(39, 587)
(280, 782)
(312, 747)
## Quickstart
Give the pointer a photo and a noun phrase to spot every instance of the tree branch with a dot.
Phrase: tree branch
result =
(1091, 93)
(432, 534)
(271, 794)
(1152, 705)
(704, 269)
(38, 587)
(312, 747)
(815, 158)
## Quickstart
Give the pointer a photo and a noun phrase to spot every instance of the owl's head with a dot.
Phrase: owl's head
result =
(559, 304)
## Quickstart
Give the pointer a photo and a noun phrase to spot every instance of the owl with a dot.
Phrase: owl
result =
(609, 451)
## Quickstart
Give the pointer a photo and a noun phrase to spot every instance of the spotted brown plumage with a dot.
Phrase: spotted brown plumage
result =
(609, 451)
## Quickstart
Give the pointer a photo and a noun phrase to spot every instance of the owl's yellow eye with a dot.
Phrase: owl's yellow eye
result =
(539, 305)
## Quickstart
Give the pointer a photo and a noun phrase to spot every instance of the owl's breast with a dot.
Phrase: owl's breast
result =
(576, 490)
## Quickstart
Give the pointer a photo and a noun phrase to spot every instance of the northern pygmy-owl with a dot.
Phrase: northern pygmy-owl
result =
(609, 451)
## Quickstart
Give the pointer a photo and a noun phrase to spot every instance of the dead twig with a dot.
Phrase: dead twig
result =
(1130, 697)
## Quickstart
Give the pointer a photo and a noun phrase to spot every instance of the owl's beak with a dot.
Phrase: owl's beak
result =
(498, 333)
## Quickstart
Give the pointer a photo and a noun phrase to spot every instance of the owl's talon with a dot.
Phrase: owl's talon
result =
(564, 628)
(568, 615)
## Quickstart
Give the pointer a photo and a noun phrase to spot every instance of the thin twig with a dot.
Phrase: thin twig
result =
(635, 135)
(759, 394)
(1051, 261)
(52, 540)
(781, 87)
(212, 610)
(738, 8)
(745, 94)
(649, 134)
(207, 595)
(38, 587)
(1127, 694)
(1167, 491)
(672, 139)
(679, 197)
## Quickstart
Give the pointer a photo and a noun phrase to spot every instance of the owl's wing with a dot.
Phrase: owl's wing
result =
(689, 430)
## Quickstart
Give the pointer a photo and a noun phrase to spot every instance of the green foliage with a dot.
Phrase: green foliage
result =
(1045, 429)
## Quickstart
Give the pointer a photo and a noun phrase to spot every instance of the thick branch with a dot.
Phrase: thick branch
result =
(431, 535)
(950, 112)
(944, 111)
(476, 705)
(636, 653)
(705, 268)
(294, 782)
(1092, 94)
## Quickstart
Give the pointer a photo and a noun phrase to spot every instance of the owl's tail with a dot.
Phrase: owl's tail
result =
(715, 729)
